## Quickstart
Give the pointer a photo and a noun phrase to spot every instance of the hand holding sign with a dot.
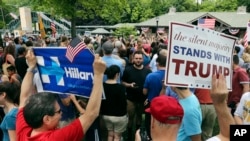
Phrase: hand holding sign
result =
(31, 59)
(195, 54)
(219, 90)
(99, 65)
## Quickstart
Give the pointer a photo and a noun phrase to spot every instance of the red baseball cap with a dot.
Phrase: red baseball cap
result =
(166, 109)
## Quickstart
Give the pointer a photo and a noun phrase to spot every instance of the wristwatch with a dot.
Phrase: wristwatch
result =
(33, 70)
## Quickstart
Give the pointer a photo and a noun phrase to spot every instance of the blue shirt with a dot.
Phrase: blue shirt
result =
(170, 92)
(9, 123)
(191, 122)
(153, 83)
(68, 112)
(109, 60)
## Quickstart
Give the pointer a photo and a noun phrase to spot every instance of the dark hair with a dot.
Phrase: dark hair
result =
(37, 106)
(237, 49)
(64, 38)
(12, 90)
(11, 68)
(29, 43)
(21, 50)
(236, 59)
(112, 71)
(16, 40)
(87, 40)
(138, 52)
(163, 46)
(10, 49)
(161, 60)
(122, 52)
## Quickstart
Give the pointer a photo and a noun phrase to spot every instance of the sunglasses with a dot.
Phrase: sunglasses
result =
(59, 111)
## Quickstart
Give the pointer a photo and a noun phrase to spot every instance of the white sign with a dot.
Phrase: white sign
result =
(26, 20)
(195, 54)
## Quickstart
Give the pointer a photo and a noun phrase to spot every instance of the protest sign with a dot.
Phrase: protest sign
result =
(195, 53)
(61, 75)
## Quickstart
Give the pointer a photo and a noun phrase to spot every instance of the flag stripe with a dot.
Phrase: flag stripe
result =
(245, 40)
(207, 23)
(74, 47)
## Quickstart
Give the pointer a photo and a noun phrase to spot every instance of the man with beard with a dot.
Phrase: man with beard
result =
(133, 79)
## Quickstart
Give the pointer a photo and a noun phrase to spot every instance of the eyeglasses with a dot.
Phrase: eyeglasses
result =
(59, 111)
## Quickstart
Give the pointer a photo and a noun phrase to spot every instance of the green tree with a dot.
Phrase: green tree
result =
(73, 9)
(218, 5)
(244, 3)
(125, 31)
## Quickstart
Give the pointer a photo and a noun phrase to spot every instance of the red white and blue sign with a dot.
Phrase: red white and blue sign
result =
(59, 75)
(195, 54)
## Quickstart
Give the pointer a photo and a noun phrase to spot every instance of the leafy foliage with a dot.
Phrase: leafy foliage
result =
(125, 31)
(103, 12)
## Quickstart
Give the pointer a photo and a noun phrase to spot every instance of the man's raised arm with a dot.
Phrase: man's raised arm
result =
(27, 83)
(219, 94)
(93, 106)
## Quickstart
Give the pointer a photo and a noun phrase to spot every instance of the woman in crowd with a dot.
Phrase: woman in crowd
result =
(113, 108)
(9, 95)
(8, 56)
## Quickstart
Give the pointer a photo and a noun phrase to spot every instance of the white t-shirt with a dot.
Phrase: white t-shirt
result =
(215, 138)
(243, 108)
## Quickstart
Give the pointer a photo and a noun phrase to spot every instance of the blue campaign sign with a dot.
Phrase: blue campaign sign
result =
(59, 75)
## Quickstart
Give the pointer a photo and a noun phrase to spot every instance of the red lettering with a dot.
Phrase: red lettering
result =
(216, 70)
(226, 71)
(194, 69)
(206, 74)
(191, 67)
(177, 66)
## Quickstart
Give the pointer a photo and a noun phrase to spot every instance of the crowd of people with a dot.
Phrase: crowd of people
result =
(138, 106)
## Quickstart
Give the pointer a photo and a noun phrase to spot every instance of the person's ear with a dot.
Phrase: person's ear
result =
(3, 95)
(46, 119)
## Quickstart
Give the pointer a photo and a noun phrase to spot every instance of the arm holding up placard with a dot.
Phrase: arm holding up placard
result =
(219, 94)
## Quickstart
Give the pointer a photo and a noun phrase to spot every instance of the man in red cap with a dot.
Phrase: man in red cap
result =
(166, 116)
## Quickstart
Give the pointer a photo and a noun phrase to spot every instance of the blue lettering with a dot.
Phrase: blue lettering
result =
(222, 58)
(209, 55)
(196, 52)
(183, 50)
(176, 49)
(203, 54)
(189, 52)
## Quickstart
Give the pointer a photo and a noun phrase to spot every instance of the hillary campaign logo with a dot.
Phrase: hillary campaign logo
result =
(62, 75)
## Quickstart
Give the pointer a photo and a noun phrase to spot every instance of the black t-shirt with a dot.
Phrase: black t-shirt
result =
(131, 74)
(115, 103)
(21, 66)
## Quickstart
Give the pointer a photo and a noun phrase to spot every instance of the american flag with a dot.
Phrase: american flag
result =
(207, 23)
(74, 47)
(245, 40)
(246, 37)
(53, 28)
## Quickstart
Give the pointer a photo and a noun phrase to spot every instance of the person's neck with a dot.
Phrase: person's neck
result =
(170, 136)
(235, 66)
(111, 81)
(8, 107)
(184, 93)
(138, 67)
(108, 55)
(161, 68)
(38, 131)
(21, 55)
